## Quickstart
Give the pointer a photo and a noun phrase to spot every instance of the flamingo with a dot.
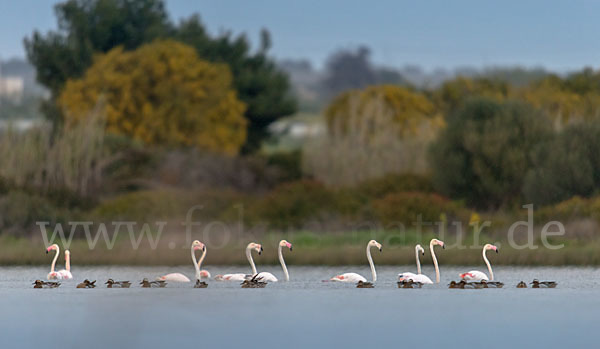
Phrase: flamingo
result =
(66, 273)
(63, 274)
(268, 277)
(408, 276)
(178, 277)
(240, 276)
(477, 276)
(354, 277)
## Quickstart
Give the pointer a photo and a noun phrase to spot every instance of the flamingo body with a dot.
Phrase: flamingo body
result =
(266, 277)
(174, 277)
(349, 277)
(406, 276)
(232, 277)
(474, 275)
(64, 275)
(418, 278)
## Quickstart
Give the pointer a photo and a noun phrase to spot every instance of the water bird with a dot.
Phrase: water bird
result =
(45, 284)
(354, 277)
(409, 284)
(254, 282)
(64, 274)
(268, 277)
(543, 284)
(152, 284)
(462, 284)
(200, 284)
(117, 284)
(522, 284)
(240, 276)
(475, 275)
(87, 284)
(362, 284)
(178, 277)
(418, 277)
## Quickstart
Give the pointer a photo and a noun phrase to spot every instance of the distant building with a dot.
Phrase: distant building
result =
(11, 87)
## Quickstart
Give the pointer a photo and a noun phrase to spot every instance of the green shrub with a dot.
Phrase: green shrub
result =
(20, 211)
(394, 183)
(294, 204)
(406, 207)
(485, 151)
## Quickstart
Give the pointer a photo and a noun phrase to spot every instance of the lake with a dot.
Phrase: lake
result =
(301, 313)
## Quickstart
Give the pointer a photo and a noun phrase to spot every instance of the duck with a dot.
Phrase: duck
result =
(87, 284)
(543, 284)
(409, 284)
(200, 284)
(522, 284)
(152, 284)
(254, 282)
(45, 284)
(364, 284)
(487, 284)
(462, 284)
(117, 284)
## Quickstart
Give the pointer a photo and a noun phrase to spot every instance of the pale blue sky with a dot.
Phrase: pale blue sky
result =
(559, 35)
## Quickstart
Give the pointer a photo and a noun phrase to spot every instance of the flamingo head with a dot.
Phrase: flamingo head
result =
(284, 243)
(256, 247)
(52, 247)
(67, 253)
(376, 244)
(490, 247)
(438, 242)
(197, 245)
(420, 249)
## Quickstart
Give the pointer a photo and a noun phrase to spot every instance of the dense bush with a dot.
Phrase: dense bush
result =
(393, 183)
(20, 211)
(566, 166)
(484, 153)
(294, 204)
(406, 207)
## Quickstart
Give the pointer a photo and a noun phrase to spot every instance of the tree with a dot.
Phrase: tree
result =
(349, 70)
(565, 166)
(161, 93)
(452, 94)
(484, 153)
(260, 84)
(371, 133)
(87, 27)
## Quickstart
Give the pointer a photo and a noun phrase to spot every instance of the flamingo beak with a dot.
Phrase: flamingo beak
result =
(423, 253)
(497, 249)
(260, 251)
(290, 247)
(203, 248)
(443, 247)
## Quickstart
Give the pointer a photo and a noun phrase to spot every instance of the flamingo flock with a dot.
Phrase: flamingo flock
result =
(473, 279)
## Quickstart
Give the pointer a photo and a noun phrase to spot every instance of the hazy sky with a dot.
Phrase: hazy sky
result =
(558, 35)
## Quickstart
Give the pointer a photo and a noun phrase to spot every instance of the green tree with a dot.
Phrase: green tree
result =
(486, 150)
(87, 27)
(565, 166)
(161, 93)
(260, 84)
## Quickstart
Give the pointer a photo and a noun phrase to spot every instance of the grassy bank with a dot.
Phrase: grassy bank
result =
(309, 249)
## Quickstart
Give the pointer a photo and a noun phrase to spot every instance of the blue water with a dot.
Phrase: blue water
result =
(301, 313)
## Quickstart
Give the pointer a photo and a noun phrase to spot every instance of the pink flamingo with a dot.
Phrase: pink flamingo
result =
(354, 277)
(477, 276)
(63, 274)
(408, 276)
(178, 277)
(241, 276)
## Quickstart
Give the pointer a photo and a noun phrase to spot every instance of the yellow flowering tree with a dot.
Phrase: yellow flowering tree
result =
(161, 93)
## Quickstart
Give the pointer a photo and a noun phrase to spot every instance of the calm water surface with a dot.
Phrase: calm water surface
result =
(303, 312)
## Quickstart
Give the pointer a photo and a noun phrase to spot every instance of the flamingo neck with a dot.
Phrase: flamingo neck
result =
(418, 261)
(68, 262)
(196, 266)
(435, 263)
(54, 260)
(250, 260)
(283, 266)
(487, 262)
(202, 258)
(373, 272)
